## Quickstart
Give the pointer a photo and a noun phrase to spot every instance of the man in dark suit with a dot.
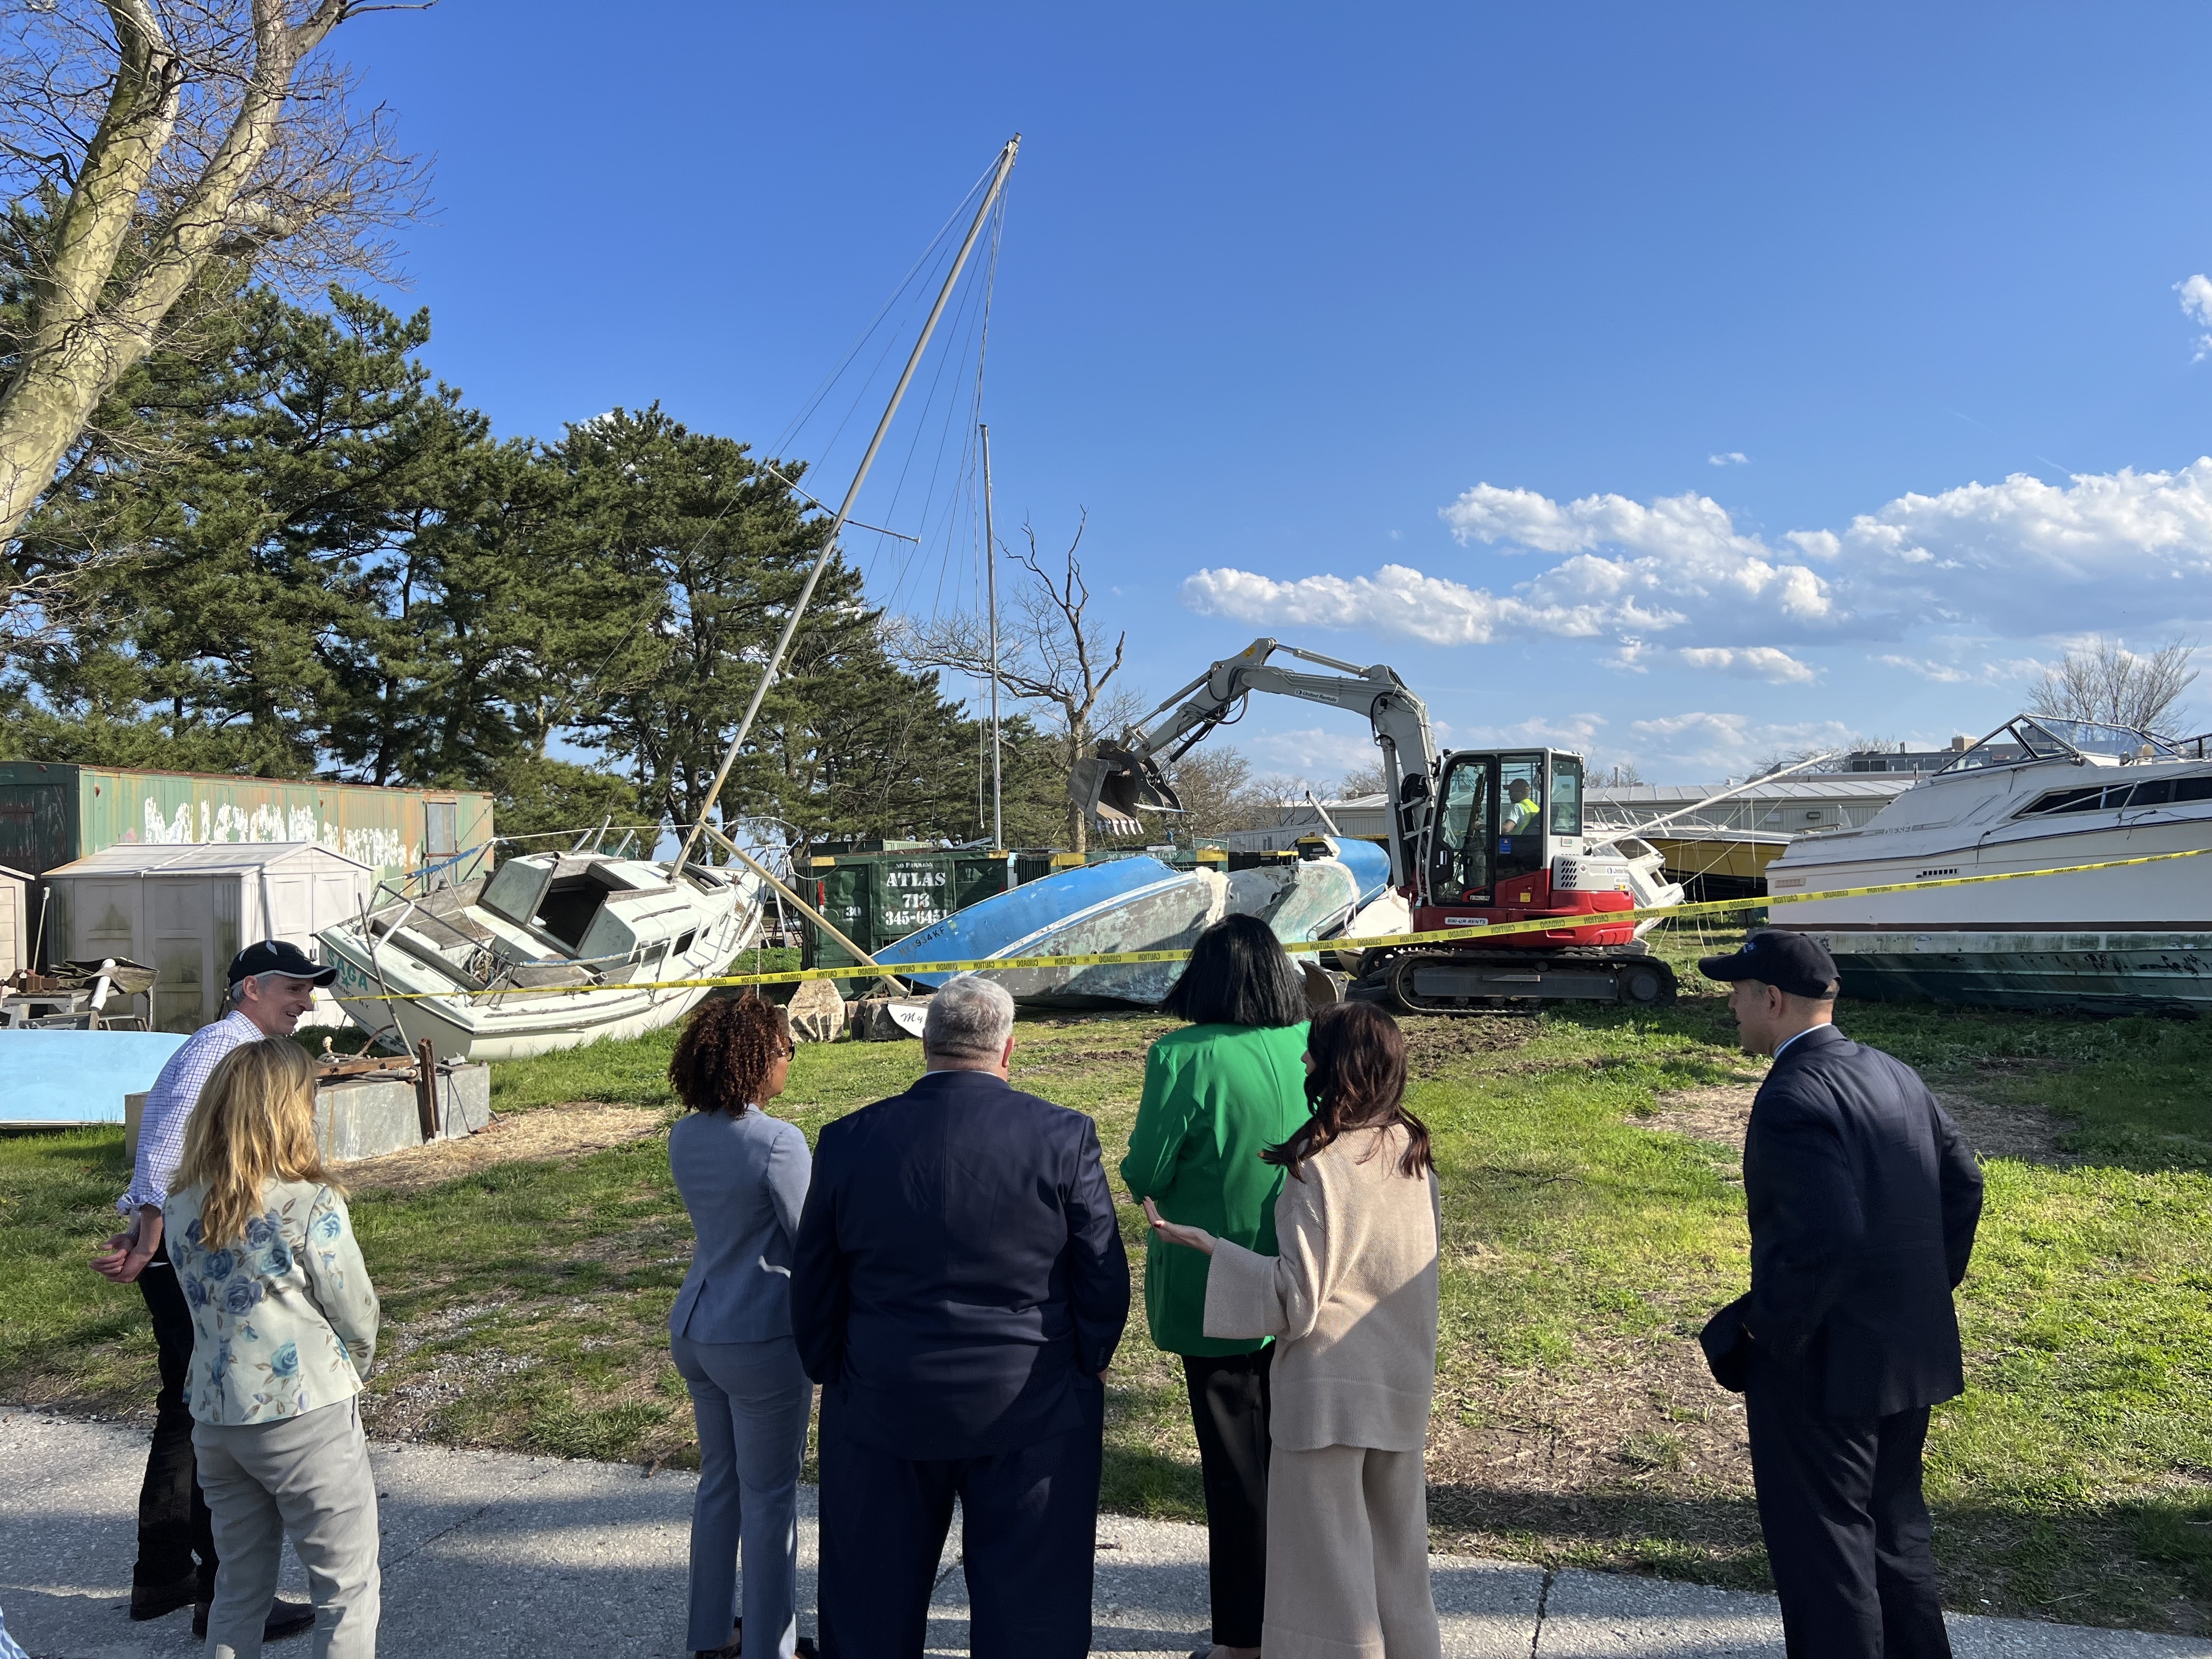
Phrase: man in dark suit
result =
(1863, 1202)
(958, 1288)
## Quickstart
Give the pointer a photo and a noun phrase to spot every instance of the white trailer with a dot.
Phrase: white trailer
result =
(15, 939)
(185, 911)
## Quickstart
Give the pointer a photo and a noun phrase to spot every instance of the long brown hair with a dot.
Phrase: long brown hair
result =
(1358, 1082)
(722, 1060)
(255, 1119)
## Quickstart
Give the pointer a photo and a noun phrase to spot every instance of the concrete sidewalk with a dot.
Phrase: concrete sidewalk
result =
(486, 1554)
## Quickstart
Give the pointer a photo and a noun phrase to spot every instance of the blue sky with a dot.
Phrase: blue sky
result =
(1676, 383)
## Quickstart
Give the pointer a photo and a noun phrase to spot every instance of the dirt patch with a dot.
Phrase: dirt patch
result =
(1435, 1042)
(2006, 1128)
(551, 1132)
(1718, 1114)
(1637, 1439)
(1993, 1128)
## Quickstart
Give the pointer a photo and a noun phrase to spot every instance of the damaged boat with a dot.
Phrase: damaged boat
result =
(2036, 793)
(508, 967)
(1140, 904)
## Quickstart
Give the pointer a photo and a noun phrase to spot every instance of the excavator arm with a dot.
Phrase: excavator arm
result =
(1128, 776)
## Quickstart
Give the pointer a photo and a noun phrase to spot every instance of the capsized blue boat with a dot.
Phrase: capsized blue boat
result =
(59, 1078)
(1312, 898)
(1129, 904)
(1138, 904)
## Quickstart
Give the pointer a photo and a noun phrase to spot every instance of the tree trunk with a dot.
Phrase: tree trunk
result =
(83, 339)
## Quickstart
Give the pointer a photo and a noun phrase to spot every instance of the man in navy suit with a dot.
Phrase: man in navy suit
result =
(957, 1289)
(1863, 1202)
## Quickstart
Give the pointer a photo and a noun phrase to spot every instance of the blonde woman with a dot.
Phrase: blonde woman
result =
(283, 1330)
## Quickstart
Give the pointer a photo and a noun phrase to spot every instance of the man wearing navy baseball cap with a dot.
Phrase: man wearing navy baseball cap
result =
(1863, 1201)
(271, 985)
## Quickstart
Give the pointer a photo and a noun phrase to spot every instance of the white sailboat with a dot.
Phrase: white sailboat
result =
(2036, 793)
(511, 966)
(508, 967)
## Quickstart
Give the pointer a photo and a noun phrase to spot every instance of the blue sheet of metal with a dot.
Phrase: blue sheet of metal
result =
(78, 1076)
(1369, 864)
(1003, 922)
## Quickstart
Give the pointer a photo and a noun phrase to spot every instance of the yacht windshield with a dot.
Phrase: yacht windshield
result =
(2043, 737)
(2091, 738)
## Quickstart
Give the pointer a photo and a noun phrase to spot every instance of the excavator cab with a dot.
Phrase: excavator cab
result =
(1501, 817)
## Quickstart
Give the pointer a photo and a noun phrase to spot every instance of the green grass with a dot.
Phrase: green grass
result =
(525, 1305)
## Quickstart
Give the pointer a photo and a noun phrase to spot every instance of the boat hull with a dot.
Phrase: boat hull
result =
(1129, 904)
(2118, 973)
(517, 1023)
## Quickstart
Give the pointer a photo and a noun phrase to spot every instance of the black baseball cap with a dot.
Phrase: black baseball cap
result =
(1788, 962)
(274, 955)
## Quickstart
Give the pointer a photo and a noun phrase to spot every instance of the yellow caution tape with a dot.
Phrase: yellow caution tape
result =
(1578, 922)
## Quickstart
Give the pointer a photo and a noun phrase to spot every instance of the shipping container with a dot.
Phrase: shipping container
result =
(185, 911)
(51, 813)
(875, 899)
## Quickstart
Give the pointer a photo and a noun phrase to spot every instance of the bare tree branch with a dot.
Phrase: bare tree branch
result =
(2105, 681)
(1048, 651)
(140, 142)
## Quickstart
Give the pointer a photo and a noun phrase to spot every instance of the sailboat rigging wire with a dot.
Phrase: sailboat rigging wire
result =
(775, 663)
(850, 524)
(928, 255)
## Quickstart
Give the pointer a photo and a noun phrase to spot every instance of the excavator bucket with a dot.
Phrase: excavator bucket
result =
(1112, 786)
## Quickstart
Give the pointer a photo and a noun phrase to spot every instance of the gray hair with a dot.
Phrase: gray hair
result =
(971, 1018)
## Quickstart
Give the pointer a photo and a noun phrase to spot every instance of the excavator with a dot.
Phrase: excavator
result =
(1477, 835)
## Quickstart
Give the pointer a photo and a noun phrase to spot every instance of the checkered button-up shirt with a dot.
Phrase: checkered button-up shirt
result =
(169, 1105)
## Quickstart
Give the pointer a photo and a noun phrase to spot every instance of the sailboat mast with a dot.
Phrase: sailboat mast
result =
(991, 566)
(851, 495)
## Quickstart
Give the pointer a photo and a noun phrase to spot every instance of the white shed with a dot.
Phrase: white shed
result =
(14, 930)
(186, 910)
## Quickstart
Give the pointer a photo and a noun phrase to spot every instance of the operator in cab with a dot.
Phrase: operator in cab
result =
(1521, 809)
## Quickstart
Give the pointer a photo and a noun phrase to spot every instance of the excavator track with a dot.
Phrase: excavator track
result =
(1489, 982)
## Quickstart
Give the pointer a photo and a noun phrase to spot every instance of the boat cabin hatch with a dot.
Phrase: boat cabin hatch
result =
(560, 898)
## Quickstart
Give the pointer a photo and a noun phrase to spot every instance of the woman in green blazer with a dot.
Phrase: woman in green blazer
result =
(1217, 1095)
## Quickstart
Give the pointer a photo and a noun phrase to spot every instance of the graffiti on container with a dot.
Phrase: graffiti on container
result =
(372, 846)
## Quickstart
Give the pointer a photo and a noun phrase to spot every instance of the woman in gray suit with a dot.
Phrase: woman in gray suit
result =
(743, 1175)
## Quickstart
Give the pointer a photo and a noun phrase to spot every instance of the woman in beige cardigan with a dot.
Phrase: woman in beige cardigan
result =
(1352, 1302)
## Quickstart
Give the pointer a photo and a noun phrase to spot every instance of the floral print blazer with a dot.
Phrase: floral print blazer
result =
(284, 1319)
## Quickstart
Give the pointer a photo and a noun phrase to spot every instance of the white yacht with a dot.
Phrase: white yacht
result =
(501, 969)
(2034, 794)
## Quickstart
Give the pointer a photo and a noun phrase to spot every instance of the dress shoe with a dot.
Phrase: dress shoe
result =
(285, 1619)
(161, 1600)
(732, 1649)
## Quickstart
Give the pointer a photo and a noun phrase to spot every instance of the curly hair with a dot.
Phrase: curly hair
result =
(1358, 1082)
(723, 1059)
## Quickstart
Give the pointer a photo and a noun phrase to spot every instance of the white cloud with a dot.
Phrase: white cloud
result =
(1750, 662)
(1395, 599)
(2019, 559)
(1724, 745)
(2196, 294)
(1728, 458)
(1960, 671)
(1324, 752)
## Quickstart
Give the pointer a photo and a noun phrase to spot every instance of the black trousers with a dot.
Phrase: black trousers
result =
(173, 1525)
(1029, 1540)
(1847, 1531)
(1229, 1402)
